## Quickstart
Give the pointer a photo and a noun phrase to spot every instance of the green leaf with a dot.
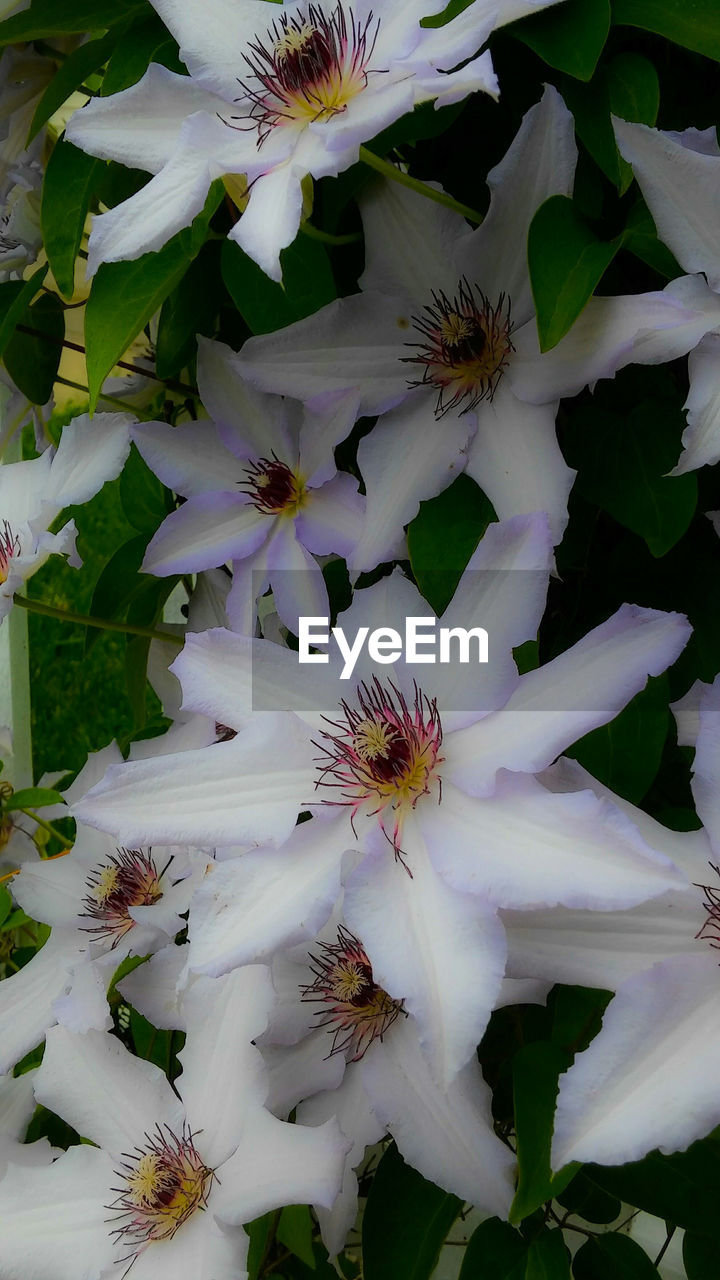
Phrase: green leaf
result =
(623, 463)
(70, 76)
(536, 1069)
(682, 1188)
(587, 1201)
(145, 607)
(700, 1255)
(259, 1232)
(32, 359)
(190, 309)
(612, 1257)
(70, 178)
(15, 298)
(143, 43)
(125, 295)
(570, 38)
(633, 94)
(405, 1223)
(52, 18)
(641, 238)
(295, 1231)
(443, 536)
(145, 500)
(695, 24)
(548, 1258)
(5, 904)
(566, 262)
(118, 582)
(33, 798)
(264, 305)
(495, 1251)
(625, 754)
(577, 1016)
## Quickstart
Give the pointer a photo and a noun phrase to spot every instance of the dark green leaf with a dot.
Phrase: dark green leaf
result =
(405, 1223)
(32, 359)
(418, 125)
(700, 1256)
(145, 500)
(570, 37)
(590, 105)
(641, 238)
(144, 608)
(70, 178)
(495, 1251)
(33, 798)
(612, 1257)
(443, 536)
(15, 298)
(623, 463)
(577, 1016)
(567, 262)
(536, 1069)
(143, 43)
(682, 1188)
(587, 1201)
(190, 309)
(70, 76)
(295, 1232)
(5, 904)
(118, 582)
(548, 1258)
(695, 24)
(625, 754)
(125, 295)
(264, 305)
(51, 18)
(259, 1232)
(150, 1044)
(633, 94)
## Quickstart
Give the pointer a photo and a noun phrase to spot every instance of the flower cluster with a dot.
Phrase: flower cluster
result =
(255, 939)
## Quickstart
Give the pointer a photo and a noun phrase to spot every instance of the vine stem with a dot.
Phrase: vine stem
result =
(172, 383)
(328, 237)
(103, 624)
(389, 170)
(47, 826)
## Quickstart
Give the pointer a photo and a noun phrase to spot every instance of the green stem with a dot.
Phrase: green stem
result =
(121, 404)
(103, 624)
(47, 826)
(391, 171)
(327, 237)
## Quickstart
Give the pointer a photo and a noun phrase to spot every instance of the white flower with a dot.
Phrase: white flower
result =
(17, 1104)
(103, 904)
(274, 95)
(445, 330)
(262, 492)
(679, 176)
(33, 493)
(434, 786)
(20, 231)
(171, 1178)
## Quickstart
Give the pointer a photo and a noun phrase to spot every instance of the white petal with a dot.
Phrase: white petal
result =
(300, 1071)
(278, 1164)
(105, 1093)
(203, 1248)
(17, 1103)
(539, 163)
(206, 531)
(446, 1133)
(55, 1218)
(558, 703)
(410, 244)
(332, 518)
(250, 906)
(152, 988)
(355, 342)
(516, 459)
(524, 847)
(91, 451)
(297, 582)
(22, 488)
(682, 188)
(223, 1073)
(706, 766)
(327, 419)
(440, 951)
(84, 1007)
(271, 219)
(249, 423)
(621, 1097)
(406, 458)
(248, 790)
(701, 437)
(687, 714)
(26, 997)
(610, 333)
(189, 458)
(52, 889)
(213, 39)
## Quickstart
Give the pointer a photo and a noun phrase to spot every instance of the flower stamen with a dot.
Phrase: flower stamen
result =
(710, 931)
(357, 1011)
(9, 549)
(128, 879)
(163, 1183)
(466, 347)
(274, 488)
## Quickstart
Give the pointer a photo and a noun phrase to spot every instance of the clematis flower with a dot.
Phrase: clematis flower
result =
(104, 903)
(274, 96)
(679, 176)
(649, 1078)
(171, 1178)
(431, 783)
(33, 493)
(20, 230)
(262, 492)
(443, 335)
(339, 1045)
(17, 1104)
